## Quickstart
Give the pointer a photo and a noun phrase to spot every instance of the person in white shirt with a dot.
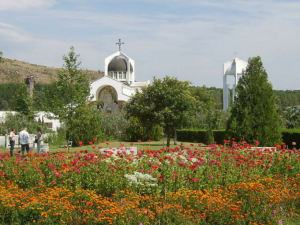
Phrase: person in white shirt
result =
(23, 140)
(12, 141)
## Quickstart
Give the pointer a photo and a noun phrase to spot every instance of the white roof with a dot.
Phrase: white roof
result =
(235, 66)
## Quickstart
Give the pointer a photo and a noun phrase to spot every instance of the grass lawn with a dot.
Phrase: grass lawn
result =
(154, 145)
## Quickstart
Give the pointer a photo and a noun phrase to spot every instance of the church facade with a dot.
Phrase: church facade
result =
(118, 83)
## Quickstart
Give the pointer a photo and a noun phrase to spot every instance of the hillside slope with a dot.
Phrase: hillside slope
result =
(14, 71)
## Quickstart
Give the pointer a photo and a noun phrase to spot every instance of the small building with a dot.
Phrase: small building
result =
(118, 83)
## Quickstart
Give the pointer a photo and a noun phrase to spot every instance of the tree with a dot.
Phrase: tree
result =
(166, 102)
(24, 104)
(69, 89)
(254, 113)
(85, 125)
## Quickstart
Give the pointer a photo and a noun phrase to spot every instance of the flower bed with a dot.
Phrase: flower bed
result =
(184, 185)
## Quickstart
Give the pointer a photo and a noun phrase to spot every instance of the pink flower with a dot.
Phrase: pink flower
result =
(58, 175)
(211, 177)
(54, 182)
(40, 181)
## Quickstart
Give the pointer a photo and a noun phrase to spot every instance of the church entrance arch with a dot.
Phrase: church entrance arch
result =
(108, 99)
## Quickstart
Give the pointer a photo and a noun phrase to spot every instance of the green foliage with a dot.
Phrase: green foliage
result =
(204, 96)
(40, 96)
(253, 114)
(57, 138)
(287, 98)
(167, 103)
(136, 131)
(69, 89)
(207, 116)
(195, 136)
(85, 125)
(201, 136)
(24, 104)
(209, 136)
(18, 122)
(114, 125)
(291, 117)
(8, 93)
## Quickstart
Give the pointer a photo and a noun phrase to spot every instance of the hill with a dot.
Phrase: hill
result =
(14, 71)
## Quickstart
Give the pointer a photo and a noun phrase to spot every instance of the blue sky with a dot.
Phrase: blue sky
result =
(189, 40)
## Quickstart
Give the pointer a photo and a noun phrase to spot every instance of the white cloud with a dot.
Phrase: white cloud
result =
(15, 5)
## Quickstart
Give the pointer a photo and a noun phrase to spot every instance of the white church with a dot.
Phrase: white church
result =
(118, 83)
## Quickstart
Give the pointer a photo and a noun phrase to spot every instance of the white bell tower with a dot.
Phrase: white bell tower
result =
(233, 67)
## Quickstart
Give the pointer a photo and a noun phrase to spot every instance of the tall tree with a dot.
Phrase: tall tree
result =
(166, 102)
(70, 89)
(254, 113)
(24, 104)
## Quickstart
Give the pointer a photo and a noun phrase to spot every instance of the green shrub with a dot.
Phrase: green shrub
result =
(136, 131)
(114, 125)
(209, 137)
(195, 136)
(85, 126)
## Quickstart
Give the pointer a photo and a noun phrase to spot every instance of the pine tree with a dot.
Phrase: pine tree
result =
(254, 113)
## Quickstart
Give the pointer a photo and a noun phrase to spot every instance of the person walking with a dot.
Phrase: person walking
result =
(23, 140)
(12, 141)
(38, 139)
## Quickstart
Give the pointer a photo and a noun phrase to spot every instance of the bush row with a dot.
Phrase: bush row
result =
(199, 136)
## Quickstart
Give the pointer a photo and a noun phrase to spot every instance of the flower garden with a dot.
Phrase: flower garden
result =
(232, 183)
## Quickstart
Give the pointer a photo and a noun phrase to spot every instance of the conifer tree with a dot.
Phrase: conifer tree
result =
(254, 115)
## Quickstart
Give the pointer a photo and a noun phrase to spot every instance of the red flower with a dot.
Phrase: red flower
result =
(131, 144)
(155, 167)
(95, 139)
(99, 147)
(80, 142)
(103, 141)
(192, 167)
(91, 143)
(161, 177)
(289, 166)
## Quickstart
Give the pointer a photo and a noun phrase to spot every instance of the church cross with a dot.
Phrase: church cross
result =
(120, 43)
(235, 53)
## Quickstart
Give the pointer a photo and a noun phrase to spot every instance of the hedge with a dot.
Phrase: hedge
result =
(198, 136)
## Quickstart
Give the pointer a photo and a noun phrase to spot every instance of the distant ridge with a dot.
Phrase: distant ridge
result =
(14, 71)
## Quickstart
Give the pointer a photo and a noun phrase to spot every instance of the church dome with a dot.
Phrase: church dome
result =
(118, 64)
